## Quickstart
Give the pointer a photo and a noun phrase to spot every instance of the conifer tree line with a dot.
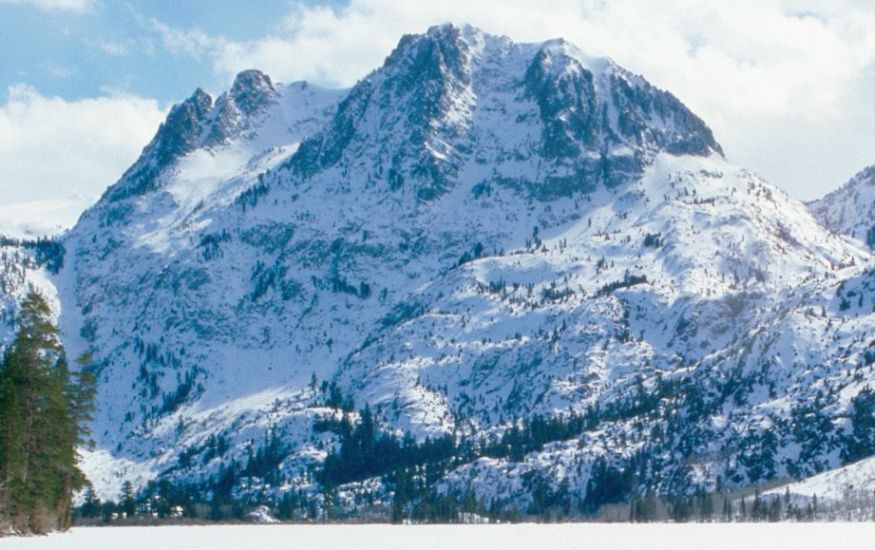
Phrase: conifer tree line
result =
(44, 406)
(410, 473)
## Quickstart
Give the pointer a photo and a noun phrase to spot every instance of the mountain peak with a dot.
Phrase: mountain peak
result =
(237, 115)
(442, 50)
(453, 32)
(178, 135)
(251, 93)
(252, 90)
(443, 91)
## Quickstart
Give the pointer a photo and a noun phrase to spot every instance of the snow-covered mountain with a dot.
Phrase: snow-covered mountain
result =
(850, 210)
(478, 232)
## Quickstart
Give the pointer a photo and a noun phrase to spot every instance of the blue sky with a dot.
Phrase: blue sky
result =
(786, 85)
(114, 46)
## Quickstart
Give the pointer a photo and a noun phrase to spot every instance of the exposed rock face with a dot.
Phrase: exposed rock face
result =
(237, 111)
(598, 123)
(179, 135)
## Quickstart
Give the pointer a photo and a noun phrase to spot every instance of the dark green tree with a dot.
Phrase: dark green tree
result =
(43, 407)
(861, 442)
(128, 500)
(91, 505)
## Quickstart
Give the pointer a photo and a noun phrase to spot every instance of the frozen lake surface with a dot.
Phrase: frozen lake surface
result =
(789, 536)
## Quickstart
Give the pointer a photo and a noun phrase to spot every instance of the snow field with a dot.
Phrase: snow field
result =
(617, 536)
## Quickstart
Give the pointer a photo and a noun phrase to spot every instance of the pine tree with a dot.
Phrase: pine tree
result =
(127, 500)
(41, 406)
(706, 507)
(757, 512)
(91, 504)
(861, 442)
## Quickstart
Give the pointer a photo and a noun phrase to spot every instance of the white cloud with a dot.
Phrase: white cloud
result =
(760, 72)
(113, 48)
(52, 149)
(59, 72)
(194, 43)
(55, 5)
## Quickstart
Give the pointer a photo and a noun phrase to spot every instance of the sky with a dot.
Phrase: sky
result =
(788, 86)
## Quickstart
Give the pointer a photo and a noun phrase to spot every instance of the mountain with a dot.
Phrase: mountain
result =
(523, 266)
(850, 210)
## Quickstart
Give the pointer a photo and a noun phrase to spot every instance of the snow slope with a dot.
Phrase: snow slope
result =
(841, 484)
(850, 210)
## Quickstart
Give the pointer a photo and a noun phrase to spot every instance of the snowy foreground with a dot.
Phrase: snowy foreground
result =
(460, 537)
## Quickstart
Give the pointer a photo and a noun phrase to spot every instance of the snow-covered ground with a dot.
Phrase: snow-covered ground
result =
(557, 537)
(852, 481)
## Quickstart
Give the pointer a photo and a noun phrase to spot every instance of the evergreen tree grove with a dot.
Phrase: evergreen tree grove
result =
(43, 406)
